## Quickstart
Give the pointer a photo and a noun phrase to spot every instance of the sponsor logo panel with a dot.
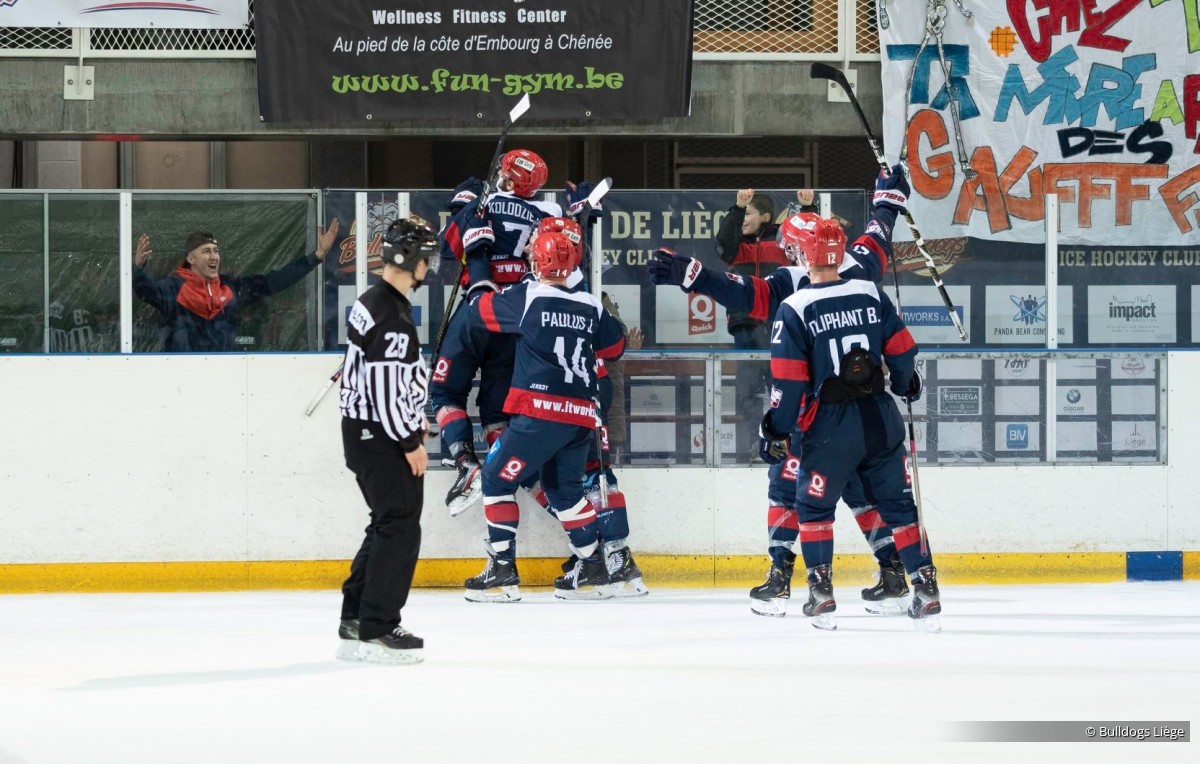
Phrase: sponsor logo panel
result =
(1134, 436)
(1075, 400)
(960, 400)
(1131, 314)
(926, 317)
(1018, 436)
(1017, 315)
(688, 319)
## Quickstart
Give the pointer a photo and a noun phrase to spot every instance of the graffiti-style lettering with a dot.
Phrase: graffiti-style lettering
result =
(1073, 141)
(1058, 89)
(1138, 143)
(1069, 16)
(1191, 107)
(1166, 104)
(1117, 90)
(1178, 203)
(959, 61)
(933, 176)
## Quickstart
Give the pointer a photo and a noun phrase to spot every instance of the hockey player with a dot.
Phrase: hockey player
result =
(760, 298)
(383, 395)
(828, 342)
(552, 405)
(612, 514)
(490, 235)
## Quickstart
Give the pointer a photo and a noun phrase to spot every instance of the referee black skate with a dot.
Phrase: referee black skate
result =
(383, 393)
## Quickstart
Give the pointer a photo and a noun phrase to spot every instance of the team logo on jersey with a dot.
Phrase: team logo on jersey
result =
(702, 314)
(441, 370)
(816, 485)
(776, 397)
(512, 469)
(791, 468)
(734, 277)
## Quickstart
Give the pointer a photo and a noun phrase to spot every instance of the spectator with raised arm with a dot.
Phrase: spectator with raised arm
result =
(201, 308)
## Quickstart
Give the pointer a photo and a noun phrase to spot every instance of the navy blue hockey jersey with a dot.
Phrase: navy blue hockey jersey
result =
(866, 259)
(561, 335)
(494, 245)
(815, 328)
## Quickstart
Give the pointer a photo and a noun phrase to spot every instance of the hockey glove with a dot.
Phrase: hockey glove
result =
(577, 198)
(912, 393)
(891, 191)
(771, 447)
(465, 193)
(480, 288)
(670, 268)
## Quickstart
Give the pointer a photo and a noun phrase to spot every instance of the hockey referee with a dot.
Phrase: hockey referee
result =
(383, 393)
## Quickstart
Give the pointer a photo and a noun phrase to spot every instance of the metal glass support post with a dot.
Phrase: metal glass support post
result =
(1051, 218)
(712, 411)
(45, 273)
(361, 239)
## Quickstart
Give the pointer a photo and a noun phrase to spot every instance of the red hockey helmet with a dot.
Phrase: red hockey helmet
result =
(553, 256)
(567, 227)
(809, 238)
(526, 170)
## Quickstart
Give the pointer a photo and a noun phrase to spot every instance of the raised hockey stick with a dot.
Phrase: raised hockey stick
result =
(821, 71)
(333, 380)
(488, 184)
(585, 219)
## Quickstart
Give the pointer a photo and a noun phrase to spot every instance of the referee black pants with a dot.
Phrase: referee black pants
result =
(382, 571)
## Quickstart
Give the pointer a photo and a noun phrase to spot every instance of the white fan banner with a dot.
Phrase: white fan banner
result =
(177, 14)
(1099, 105)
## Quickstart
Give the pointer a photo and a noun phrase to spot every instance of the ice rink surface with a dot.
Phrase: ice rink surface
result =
(681, 676)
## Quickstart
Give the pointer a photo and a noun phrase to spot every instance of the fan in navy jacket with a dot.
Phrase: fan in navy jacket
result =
(828, 342)
(491, 243)
(552, 403)
(760, 297)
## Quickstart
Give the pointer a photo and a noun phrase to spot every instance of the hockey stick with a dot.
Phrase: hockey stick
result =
(585, 219)
(488, 183)
(821, 71)
(333, 380)
(912, 445)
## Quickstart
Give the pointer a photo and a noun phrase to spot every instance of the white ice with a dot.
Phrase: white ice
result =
(681, 676)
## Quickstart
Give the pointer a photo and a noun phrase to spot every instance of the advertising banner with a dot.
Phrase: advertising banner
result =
(1096, 102)
(85, 14)
(354, 61)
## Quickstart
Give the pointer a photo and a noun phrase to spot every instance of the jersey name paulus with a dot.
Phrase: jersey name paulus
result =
(567, 321)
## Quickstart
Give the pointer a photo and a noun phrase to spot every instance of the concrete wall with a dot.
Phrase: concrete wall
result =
(207, 98)
(174, 458)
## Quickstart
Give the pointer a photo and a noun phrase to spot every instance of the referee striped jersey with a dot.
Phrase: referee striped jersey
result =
(385, 379)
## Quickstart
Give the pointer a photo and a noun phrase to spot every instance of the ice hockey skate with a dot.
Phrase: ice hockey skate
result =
(821, 605)
(398, 647)
(624, 575)
(586, 580)
(926, 600)
(770, 598)
(889, 595)
(499, 581)
(348, 635)
(467, 489)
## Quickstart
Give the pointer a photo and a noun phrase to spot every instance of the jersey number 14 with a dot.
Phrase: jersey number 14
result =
(576, 367)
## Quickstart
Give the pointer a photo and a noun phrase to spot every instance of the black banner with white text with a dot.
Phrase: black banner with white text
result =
(355, 61)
